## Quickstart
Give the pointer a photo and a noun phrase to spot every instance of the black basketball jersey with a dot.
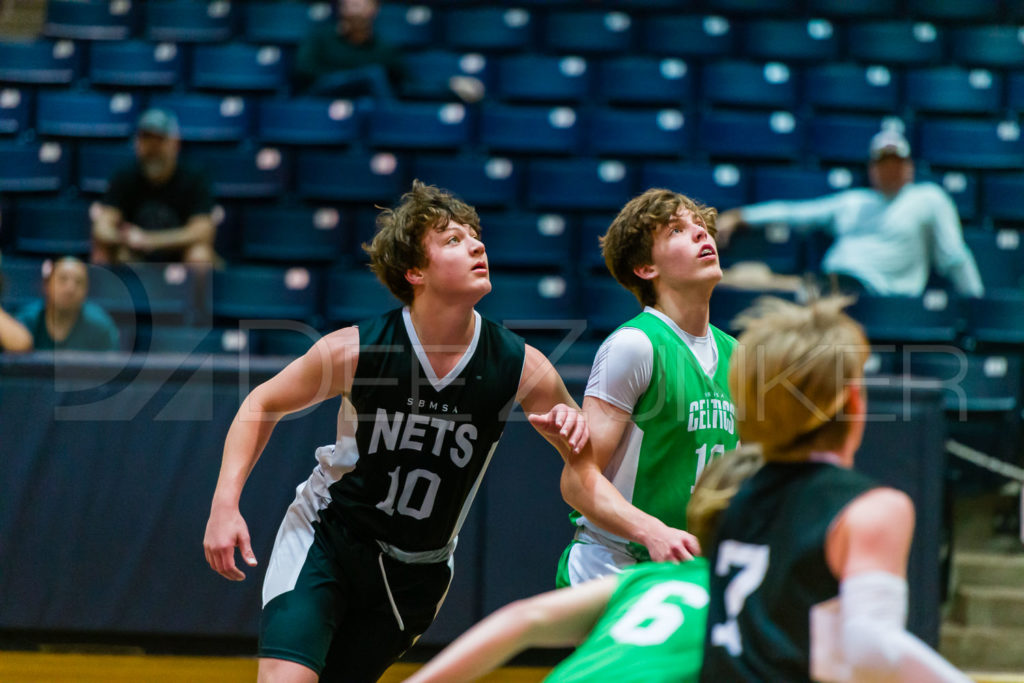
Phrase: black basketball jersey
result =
(423, 442)
(768, 571)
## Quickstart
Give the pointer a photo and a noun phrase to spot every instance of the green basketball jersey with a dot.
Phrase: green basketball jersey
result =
(651, 631)
(683, 420)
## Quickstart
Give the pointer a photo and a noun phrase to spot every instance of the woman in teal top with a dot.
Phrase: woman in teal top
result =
(645, 624)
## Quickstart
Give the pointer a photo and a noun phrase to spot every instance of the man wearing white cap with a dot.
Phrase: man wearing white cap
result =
(155, 209)
(887, 237)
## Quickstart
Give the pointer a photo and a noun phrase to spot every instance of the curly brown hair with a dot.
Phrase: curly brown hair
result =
(398, 246)
(627, 244)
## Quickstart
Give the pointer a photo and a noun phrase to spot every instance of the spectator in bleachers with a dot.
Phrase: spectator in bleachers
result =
(13, 335)
(349, 60)
(63, 319)
(156, 209)
(887, 237)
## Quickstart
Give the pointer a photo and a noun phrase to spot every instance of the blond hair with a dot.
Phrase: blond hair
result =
(790, 375)
(715, 488)
(628, 243)
(398, 246)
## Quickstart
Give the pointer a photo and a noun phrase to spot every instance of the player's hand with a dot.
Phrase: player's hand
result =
(726, 224)
(563, 422)
(666, 544)
(225, 531)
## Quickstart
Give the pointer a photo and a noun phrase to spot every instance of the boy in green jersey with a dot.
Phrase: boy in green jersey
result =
(643, 625)
(657, 401)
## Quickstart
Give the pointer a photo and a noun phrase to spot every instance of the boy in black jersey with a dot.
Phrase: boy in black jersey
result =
(363, 557)
(808, 568)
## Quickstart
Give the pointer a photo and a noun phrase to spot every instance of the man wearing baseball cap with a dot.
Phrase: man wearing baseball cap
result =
(888, 237)
(155, 209)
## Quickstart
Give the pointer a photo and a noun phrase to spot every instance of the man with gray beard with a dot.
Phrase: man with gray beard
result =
(155, 209)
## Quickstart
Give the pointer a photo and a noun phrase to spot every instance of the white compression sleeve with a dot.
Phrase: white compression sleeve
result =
(876, 646)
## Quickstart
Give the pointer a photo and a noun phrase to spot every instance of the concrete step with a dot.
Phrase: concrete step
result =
(989, 569)
(989, 606)
(976, 648)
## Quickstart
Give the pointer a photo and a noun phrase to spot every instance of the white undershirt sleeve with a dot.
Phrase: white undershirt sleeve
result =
(622, 369)
(875, 644)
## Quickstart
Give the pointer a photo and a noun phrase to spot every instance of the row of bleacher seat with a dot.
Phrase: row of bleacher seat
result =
(236, 69)
(537, 303)
(544, 26)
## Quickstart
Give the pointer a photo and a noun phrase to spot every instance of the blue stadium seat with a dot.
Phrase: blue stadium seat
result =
(755, 7)
(643, 132)
(244, 173)
(354, 176)
(543, 78)
(997, 319)
(1002, 196)
(34, 166)
(15, 105)
(593, 226)
(307, 121)
(163, 292)
(22, 282)
(530, 302)
(791, 40)
(578, 184)
(772, 183)
(40, 62)
(136, 64)
(1000, 258)
(530, 240)
(354, 294)
(208, 118)
(849, 86)
(98, 161)
(931, 318)
(479, 180)
(265, 292)
(239, 67)
(951, 89)
(282, 23)
(418, 125)
(606, 304)
(961, 186)
(895, 42)
(187, 21)
(95, 20)
(751, 135)
(972, 382)
(289, 234)
(854, 10)
(723, 186)
(53, 228)
(87, 114)
(286, 343)
(955, 10)
(967, 143)
(750, 84)
(193, 340)
(588, 32)
(728, 302)
(519, 128)
(428, 73)
(406, 26)
(842, 138)
(776, 246)
(996, 46)
(488, 29)
(637, 79)
(1015, 91)
(689, 36)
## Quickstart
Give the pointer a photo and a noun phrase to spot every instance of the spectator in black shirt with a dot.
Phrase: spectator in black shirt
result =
(155, 209)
